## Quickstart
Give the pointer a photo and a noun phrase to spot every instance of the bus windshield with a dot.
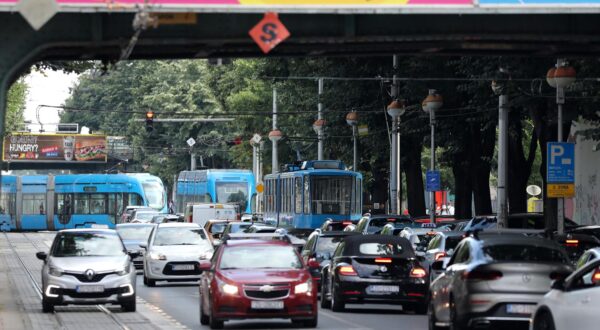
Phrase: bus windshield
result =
(331, 194)
(155, 193)
(233, 193)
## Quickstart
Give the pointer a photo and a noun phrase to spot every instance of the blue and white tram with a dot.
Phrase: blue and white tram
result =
(47, 202)
(304, 196)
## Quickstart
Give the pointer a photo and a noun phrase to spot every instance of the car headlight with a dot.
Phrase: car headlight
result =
(55, 271)
(229, 289)
(305, 287)
(125, 270)
(157, 256)
(206, 256)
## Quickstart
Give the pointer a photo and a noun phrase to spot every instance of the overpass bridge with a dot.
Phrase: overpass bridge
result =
(102, 29)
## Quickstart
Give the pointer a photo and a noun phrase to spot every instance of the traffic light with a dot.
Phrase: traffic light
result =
(149, 121)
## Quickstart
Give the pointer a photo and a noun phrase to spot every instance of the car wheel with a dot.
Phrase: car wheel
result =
(47, 307)
(204, 319)
(214, 323)
(149, 282)
(325, 302)
(337, 304)
(432, 318)
(421, 308)
(312, 323)
(455, 324)
(543, 321)
(129, 305)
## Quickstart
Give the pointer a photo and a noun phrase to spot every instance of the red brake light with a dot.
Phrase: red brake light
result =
(391, 220)
(313, 263)
(346, 223)
(572, 242)
(347, 271)
(596, 276)
(439, 256)
(418, 272)
(383, 260)
(482, 275)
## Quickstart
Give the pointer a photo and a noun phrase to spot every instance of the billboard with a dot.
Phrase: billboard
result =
(54, 148)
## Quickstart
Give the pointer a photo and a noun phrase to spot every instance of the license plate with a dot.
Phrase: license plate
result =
(90, 288)
(183, 267)
(520, 309)
(266, 304)
(383, 289)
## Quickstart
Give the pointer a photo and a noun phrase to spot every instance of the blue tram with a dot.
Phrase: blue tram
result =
(230, 186)
(48, 202)
(305, 195)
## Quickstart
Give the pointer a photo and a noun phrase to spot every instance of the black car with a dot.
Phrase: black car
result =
(576, 244)
(319, 248)
(375, 269)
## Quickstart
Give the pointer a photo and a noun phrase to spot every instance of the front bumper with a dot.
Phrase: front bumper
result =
(358, 290)
(165, 270)
(63, 290)
(296, 306)
(487, 310)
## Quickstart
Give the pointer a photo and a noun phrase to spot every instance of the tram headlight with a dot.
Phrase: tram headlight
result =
(55, 271)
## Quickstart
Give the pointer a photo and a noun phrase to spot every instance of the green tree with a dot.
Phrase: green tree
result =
(17, 97)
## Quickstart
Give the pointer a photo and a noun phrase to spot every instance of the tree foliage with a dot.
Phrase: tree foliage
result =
(15, 107)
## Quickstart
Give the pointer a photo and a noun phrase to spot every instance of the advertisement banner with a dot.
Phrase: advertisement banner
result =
(55, 148)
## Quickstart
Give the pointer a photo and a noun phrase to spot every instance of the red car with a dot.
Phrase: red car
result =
(252, 278)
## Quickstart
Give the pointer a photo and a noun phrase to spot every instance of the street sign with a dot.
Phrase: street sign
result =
(433, 181)
(191, 142)
(363, 130)
(260, 188)
(561, 190)
(561, 162)
(269, 32)
(256, 138)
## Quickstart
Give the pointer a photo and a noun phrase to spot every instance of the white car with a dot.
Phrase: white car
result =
(572, 303)
(174, 251)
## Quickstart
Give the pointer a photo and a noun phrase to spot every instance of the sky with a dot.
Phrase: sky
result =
(47, 88)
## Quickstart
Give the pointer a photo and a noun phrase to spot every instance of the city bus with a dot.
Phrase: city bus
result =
(308, 193)
(54, 202)
(231, 186)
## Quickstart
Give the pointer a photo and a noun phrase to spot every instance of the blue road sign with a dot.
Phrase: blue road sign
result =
(560, 162)
(433, 181)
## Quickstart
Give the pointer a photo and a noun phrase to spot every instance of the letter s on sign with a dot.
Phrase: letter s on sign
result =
(269, 32)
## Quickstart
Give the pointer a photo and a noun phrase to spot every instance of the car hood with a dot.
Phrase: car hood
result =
(182, 250)
(250, 276)
(81, 264)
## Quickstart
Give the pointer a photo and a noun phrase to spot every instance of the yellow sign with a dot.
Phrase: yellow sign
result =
(175, 18)
(561, 190)
(260, 188)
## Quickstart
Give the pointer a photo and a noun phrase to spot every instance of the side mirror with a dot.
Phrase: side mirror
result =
(42, 255)
(134, 254)
(558, 284)
(144, 246)
(438, 265)
(205, 265)
(313, 263)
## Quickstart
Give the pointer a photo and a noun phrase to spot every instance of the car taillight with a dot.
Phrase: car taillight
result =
(482, 275)
(439, 256)
(572, 242)
(596, 276)
(347, 271)
(345, 223)
(383, 260)
(313, 263)
(418, 272)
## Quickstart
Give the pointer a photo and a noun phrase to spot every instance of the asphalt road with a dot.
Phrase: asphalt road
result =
(180, 301)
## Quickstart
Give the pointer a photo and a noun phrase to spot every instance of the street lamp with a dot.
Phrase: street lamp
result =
(352, 120)
(319, 127)
(560, 77)
(431, 104)
(395, 110)
(275, 135)
(500, 88)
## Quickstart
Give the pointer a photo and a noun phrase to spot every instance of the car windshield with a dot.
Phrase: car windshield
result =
(238, 227)
(218, 228)
(155, 193)
(145, 215)
(380, 249)
(376, 225)
(134, 233)
(87, 245)
(233, 193)
(328, 244)
(180, 236)
(260, 256)
(452, 242)
(522, 252)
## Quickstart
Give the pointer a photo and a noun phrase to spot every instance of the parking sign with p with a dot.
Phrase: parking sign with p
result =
(560, 165)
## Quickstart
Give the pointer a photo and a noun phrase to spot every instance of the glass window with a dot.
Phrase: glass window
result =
(7, 203)
(134, 199)
(256, 257)
(233, 193)
(331, 194)
(298, 195)
(134, 233)
(98, 204)
(380, 249)
(452, 242)
(328, 244)
(155, 194)
(87, 244)
(34, 204)
(180, 236)
(306, 195)
(82, 204)
(521, 252)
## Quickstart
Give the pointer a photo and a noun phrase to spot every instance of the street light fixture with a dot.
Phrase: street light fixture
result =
(319, 127)
(560, 77)
(431, 104)
(352, 120)
(275, 135)
(396, 109)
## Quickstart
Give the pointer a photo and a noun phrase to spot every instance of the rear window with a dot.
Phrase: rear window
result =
(377, 224)
(523, 252)
(380, 249)
(452, 242)
(328, 244)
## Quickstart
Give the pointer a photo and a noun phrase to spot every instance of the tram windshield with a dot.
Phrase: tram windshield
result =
(233, 193)
(332, 194)
(155, 193)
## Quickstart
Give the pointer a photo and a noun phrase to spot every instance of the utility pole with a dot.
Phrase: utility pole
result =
(500, 88)
(320, 118)
(393, 181)
(275, 135)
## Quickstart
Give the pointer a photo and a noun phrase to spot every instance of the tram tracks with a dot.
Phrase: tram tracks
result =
(38, 289)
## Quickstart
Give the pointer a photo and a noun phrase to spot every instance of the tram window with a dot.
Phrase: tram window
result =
(82, 204)
(135, 199)
(306, 195)
(331, 195)
(7, 203)
(34, 204)
(298, 195)
(98, 204)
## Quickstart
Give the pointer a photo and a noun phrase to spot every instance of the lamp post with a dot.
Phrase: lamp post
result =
(352, 120)
(431, 104)
(275, 135)
(560, 77)
(319, 127)
(320, 119)
(499, 89)
(395, 110)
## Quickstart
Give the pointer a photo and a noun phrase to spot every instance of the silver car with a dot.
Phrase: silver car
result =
(87, 266)
(493, 279)
(174, 251)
